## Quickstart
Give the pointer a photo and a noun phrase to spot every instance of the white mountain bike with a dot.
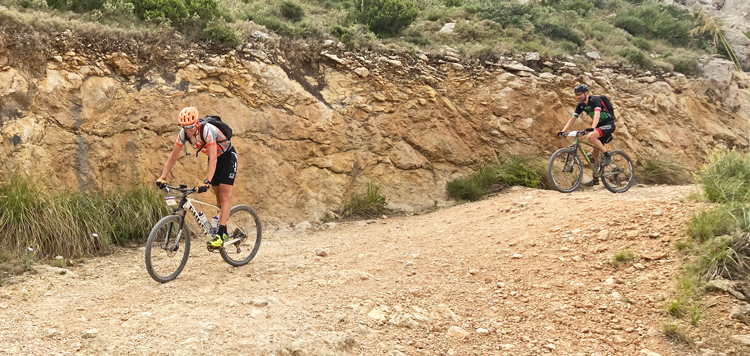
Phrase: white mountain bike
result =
(168, 244)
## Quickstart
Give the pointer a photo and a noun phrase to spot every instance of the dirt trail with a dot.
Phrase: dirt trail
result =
(521, 273)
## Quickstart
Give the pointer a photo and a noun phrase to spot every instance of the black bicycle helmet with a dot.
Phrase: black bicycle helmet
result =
(581, 88)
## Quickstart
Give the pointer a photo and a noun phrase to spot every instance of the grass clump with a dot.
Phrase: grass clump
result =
(726, 177)
(676, 334)
(73, 224)
(366, 202)
(513, 171)
(664, 169)
(624, 255)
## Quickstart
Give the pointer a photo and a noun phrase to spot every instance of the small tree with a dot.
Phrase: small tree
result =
(385, 18)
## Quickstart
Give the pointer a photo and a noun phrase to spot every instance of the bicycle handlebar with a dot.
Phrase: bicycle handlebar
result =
(575, 133)
(182, 189)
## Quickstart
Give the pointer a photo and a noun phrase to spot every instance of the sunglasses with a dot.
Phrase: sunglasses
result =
(188, 127)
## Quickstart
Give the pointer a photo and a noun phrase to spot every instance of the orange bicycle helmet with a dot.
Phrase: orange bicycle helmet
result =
(188, 116)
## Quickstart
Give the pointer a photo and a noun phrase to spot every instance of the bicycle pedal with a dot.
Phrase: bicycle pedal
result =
(212, 248)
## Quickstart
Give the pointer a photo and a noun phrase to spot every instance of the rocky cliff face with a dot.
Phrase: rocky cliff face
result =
(309, 131)
(735, 15)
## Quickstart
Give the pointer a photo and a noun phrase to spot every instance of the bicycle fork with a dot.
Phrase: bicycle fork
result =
(176, 245)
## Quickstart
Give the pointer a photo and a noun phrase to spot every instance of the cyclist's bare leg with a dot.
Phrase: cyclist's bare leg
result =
(593, 138)
(224, 200)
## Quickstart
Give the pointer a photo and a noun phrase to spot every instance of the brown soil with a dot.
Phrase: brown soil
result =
(522, 273)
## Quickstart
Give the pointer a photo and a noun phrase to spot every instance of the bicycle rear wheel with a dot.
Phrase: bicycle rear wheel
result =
(165, 256)
(618, 176)
(565, 170)
(244, 234)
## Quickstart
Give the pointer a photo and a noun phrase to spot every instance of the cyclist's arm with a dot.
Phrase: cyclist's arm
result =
(570, 123)
(211, 152)
(595, 121)
(171, 160)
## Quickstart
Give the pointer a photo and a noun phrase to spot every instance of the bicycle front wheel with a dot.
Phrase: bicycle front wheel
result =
(565, 170)
(244, 234)
(167, 249)
(618, 176)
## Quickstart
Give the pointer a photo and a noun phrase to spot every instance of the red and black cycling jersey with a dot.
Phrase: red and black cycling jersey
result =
(594, 104)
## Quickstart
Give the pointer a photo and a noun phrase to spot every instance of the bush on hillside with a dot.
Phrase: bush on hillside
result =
(656, 21)
(385, 18)
(292, 11)
(642, 43)
(505, 13)
(221, 31)
(636, 57)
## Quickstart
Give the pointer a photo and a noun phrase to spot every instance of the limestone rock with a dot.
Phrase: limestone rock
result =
(122, 64)
(741, 313)
(457, 332)
(448, 27)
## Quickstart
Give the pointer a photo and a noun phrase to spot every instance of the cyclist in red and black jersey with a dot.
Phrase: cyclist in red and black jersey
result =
(222, 163)
(602, 125)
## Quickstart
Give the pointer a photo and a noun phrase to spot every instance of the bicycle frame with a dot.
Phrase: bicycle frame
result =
(185, 205)
(579, 145)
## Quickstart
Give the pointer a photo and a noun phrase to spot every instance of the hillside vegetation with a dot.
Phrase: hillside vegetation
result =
(645, 33)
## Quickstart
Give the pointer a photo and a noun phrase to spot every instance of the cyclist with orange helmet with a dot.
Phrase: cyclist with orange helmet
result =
(222, 163)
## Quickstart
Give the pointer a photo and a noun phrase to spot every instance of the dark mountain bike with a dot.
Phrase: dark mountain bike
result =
(565, 170)
(168, 244)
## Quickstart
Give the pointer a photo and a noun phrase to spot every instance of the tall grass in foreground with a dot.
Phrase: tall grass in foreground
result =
(513, 171)
(718, 242)
(73, 225)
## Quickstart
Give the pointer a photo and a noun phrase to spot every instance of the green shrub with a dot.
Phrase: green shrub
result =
(180, 13)
(79, 6)
(342, 32)
(292, 11)
(453, 3)
(685, 63)
(220, 30)
(581, 7)
(513, 171)
(726, 177)
(636, 57)
(523, 171)
(465, 189)
(559, 32)
(385, 18)
(656, 21)
(173, 10)
(664, 169)
(34, 4)
(642, 43)
(505, 13)
(366, 202)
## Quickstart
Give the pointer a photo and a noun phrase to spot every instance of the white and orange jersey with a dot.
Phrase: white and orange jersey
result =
(213, 136)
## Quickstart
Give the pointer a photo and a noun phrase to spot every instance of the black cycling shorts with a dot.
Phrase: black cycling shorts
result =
(605, 130)
(226, 168)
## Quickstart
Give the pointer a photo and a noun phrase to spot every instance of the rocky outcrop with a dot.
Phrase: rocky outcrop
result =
(307, 139)
(735, 15)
